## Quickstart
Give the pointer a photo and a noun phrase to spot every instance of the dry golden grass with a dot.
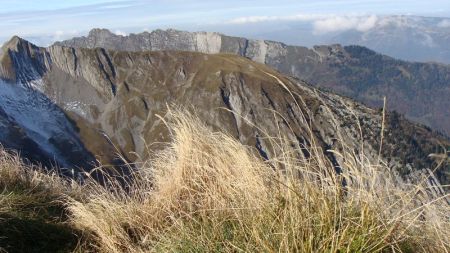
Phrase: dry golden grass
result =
(208, 193)
(32, 215)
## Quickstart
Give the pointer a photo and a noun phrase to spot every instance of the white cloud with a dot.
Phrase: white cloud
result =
(252, 19)
(258, 19)
(121, 33)
(58, 35)
(444, 23)
(427, 40)
(62, 35)
(321, 23)
(344, 23)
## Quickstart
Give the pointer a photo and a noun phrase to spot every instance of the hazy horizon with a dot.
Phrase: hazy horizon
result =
(44, 22)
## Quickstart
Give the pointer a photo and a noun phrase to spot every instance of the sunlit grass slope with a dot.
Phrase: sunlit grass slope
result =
(206, 192)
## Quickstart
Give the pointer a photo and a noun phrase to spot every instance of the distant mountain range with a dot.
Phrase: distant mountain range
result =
(412, 38)
(421, 91)
(77, 105)
(406, 37)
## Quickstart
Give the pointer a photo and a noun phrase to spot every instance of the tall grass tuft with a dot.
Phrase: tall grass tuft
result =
(206, 192)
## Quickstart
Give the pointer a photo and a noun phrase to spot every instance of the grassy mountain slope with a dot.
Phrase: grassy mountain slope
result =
(206, 192)
(418, 90)
(114, 98)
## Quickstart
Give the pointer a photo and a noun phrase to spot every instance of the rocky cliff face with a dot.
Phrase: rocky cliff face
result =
(29, 121)
(112, 99)
(418, 90)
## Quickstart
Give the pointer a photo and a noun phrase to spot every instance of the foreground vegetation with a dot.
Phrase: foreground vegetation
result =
(206, 192)
(32, 209)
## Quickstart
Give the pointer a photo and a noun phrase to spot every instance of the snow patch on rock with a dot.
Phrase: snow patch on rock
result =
(37, 115)
(76, 107)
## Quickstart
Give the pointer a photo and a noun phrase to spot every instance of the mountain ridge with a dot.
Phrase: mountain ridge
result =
(418, 90)
(113, 98)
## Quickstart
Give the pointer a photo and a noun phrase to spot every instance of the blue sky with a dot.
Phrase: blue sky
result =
(57, 19)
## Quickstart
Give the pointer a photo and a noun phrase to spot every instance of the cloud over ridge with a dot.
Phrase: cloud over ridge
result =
(321, 23)
(343, 23)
